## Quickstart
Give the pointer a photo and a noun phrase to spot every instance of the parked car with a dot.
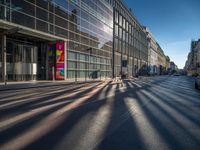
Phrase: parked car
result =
(197, 82)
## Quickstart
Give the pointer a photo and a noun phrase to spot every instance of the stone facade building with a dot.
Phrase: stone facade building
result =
(192, 64)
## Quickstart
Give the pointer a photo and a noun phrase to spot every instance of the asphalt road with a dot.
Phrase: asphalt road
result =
(149, 113)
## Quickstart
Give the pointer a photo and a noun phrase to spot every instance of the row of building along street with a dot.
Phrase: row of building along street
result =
(76, 40)
(192, 65)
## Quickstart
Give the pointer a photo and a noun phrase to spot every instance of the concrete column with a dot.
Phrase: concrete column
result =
(113, 50)
(65, 62)
(4, 71)
(47, 62)
(1, 49)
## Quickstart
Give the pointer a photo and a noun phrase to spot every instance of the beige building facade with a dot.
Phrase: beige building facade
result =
(152, 53)
(192, 65)
(158, 62)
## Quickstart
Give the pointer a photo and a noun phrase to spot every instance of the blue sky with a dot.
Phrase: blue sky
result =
(174, 23)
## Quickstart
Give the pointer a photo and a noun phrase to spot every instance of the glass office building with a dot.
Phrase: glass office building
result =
(130, 43)
(81, 28)
(68, 39)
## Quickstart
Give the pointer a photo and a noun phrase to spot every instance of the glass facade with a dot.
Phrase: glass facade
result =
(130, 43)
(91, 29)
(90, 39)
(86, 25)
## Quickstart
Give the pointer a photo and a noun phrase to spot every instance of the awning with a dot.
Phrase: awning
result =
(30, 32)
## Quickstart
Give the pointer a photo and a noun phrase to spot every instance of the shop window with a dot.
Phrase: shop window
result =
(72, 56)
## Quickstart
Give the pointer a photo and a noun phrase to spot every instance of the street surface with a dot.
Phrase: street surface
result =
(148, 113)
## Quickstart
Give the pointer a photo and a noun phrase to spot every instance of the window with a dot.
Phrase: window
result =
(82, 65)
(116, 30)
(41, 14)
(116, 17)
(71, 74)
(71, 65)
(24, 20)
(82, 57)
(120, 20)
(71, 56)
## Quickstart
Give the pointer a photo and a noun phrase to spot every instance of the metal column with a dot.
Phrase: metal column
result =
(65, 63)
(113, 50)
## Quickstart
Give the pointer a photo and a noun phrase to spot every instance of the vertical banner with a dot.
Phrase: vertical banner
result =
(60, 60)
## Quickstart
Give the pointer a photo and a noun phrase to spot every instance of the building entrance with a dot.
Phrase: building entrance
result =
(21, 62)
(28, 58)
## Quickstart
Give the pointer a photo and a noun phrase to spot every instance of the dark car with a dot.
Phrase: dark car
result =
(197, 82)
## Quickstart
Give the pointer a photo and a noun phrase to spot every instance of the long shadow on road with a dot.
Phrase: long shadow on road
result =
(12, 131)
(133, 118)
(172, 131)
(25, 106)
(121, 132)
(131, 134)
(53, 139)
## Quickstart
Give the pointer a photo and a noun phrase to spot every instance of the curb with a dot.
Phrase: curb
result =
(54, 84)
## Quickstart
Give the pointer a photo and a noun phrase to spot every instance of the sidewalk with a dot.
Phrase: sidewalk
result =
(45, 83)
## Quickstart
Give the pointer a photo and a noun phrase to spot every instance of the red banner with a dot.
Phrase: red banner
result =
(60, 60)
